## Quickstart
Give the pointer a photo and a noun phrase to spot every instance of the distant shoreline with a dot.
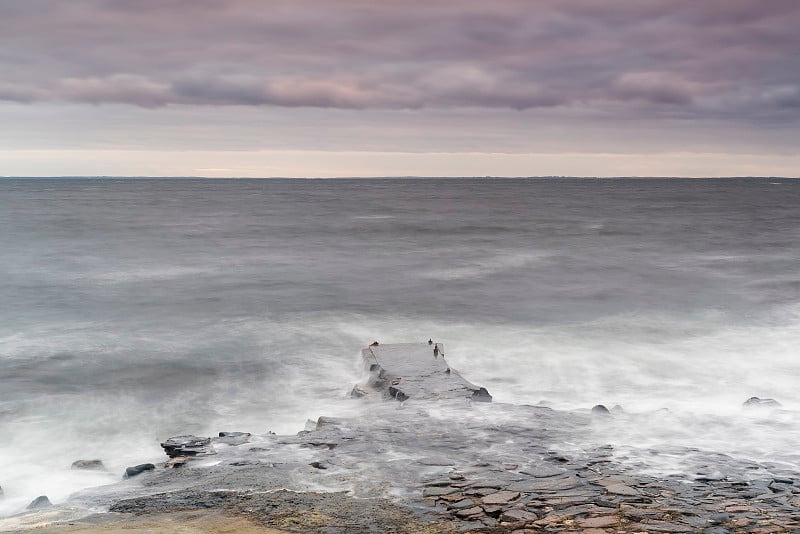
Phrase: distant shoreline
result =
(486, 178)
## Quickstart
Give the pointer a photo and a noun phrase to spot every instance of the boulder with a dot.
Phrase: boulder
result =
(40, 502)
(95, 465)
(599, 409)
(138, 469)
(187, 445)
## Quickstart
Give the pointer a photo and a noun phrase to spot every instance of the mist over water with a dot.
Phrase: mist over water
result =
(133, 310)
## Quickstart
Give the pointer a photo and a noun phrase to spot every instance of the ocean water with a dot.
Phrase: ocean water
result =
(133, 310)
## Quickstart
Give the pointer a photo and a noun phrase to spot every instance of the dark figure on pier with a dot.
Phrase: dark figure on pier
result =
(436, 351)
(430, 342)
(374, 344)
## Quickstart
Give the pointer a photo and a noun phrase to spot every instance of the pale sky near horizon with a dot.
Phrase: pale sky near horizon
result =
(247, 88)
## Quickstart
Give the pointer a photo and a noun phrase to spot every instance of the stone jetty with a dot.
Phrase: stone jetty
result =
(439, 462)
(416, 370)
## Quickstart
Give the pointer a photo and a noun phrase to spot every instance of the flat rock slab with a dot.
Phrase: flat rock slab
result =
(514, 516)
(187, 446)
(544, 471)
(598, 522)
(412, 370)
(658, 526)
(622, 489)
(501, 497)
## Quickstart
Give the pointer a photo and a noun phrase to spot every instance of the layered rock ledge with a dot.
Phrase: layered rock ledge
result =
(439, 462)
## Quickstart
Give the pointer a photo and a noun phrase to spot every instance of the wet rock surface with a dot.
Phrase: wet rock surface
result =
(415, 370)
(458, 465)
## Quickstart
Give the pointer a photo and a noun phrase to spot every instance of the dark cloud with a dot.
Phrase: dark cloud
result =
(712, 58)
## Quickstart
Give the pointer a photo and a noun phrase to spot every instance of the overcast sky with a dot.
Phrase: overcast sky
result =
(380, 88)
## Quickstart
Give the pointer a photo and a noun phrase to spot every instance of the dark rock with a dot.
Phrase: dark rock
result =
(755, 402)
(493, 510)
(395, 393)
(40, 502)
(88, 464)
(187, 446)
(599, 409)
(481, 395)
(138, 469)
(317, 465)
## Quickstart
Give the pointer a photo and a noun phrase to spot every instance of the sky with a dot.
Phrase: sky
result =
(324, 88)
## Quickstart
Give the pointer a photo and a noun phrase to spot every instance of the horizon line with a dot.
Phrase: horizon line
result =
(390, 177)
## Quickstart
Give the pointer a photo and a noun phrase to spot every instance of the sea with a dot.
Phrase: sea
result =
(132, 310)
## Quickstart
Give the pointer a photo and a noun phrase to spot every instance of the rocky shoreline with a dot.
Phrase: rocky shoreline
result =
(431, 453)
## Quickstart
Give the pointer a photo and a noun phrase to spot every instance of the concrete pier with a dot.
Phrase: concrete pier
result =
(414, 371)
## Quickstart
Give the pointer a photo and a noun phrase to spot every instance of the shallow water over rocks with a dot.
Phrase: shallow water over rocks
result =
(466, 466)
